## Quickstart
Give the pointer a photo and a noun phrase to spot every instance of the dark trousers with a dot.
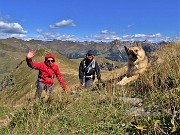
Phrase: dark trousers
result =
(88, 83)
(40, 87)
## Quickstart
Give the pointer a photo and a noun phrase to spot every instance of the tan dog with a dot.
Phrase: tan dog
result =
(137, 63)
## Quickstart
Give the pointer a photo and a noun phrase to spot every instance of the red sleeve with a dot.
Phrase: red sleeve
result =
(32, 64)
(60, 78)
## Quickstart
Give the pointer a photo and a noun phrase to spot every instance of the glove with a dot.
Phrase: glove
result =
(100, 80)
(81, 83)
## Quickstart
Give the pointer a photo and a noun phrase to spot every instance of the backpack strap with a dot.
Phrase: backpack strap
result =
(93, 63)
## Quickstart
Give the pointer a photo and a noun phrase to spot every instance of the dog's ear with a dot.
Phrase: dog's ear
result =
(137, 43)
(126, 49)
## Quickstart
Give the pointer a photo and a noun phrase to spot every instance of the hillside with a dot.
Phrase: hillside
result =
(12, 52)
(24, 77)
(154, 109)
(21, 79)
(10, 57)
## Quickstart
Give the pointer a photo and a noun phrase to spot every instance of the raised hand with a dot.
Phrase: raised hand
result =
(30, 54)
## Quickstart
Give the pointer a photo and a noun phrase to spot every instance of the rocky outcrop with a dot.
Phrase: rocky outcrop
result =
(8, 81)
(108, 66)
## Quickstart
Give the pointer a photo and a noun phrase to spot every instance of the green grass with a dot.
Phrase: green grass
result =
(90, 112)
(4, 111)
(84, 113)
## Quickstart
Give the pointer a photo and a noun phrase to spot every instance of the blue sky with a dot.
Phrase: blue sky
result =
(90, 20)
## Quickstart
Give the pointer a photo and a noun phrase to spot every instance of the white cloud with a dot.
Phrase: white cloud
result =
(150, 37)
(107, 32)
(157, 35)
(18, 36)
(113, 32)
(104, 32)
(147, 35)
(4, 18)
(11, 28)
(141, 37)
(130, 25)
(126, 36)
(102, 37)
(51, 36)
(63, 23)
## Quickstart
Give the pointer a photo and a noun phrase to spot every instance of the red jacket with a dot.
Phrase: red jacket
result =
(47, 73)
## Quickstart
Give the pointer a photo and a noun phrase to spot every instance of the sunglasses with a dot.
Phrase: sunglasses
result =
(50, 61)
(90, 56)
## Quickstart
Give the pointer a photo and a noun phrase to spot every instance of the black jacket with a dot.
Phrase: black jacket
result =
(88, 68)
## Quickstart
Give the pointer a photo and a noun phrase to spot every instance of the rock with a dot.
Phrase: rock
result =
(8, 81)
(135, 111)
(133, 101)
(139, 111)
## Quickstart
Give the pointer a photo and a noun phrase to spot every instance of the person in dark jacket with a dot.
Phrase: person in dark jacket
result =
(47, 71)
(87, 69)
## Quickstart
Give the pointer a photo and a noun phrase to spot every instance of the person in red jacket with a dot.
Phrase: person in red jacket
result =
(47, 71)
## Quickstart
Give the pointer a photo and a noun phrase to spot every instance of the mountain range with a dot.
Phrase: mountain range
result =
(111, 50)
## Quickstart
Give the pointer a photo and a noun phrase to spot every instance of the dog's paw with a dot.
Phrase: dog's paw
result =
(123, 81)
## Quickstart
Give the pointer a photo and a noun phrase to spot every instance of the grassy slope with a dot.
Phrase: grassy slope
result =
(9, 60)
(87, 112)
(25, 78)
(12, 52)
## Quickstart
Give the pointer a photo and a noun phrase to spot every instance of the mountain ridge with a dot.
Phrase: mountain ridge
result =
(111, 50)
